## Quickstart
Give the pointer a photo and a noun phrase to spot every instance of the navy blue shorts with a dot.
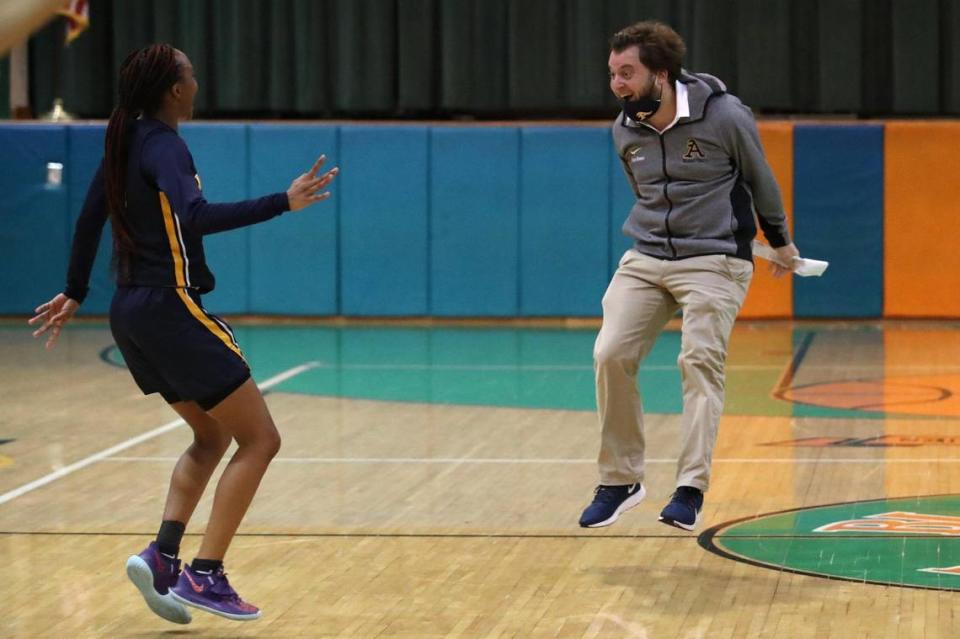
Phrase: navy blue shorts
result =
(172, 346)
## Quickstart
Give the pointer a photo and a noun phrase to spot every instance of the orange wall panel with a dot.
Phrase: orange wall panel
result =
(769, 297)
(921, 256)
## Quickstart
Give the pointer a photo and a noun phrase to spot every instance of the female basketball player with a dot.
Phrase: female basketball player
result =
(148, 185)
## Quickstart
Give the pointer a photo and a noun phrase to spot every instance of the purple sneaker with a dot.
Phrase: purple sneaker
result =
(153, 574)
(212, 592)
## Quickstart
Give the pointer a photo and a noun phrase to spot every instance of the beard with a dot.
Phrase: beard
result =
(643, 106)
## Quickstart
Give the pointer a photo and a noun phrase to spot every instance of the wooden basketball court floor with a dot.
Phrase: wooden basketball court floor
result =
(432, 476)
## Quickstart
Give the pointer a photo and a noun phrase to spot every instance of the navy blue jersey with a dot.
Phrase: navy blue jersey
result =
(167, 213)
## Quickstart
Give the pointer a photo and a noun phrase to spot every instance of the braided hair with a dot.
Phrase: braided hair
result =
(145, 76)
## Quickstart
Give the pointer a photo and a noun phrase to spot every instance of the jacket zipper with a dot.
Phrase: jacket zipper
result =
(666, 220)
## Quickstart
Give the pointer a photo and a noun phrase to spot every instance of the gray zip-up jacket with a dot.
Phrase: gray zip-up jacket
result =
(698, 183)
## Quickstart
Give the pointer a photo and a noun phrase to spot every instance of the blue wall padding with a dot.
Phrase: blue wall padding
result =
(220, 155)
(564, 222)
(293, 259)
(622, 199)
(838, 216)
(384, 216)
(474, 221)
(84, 152)
(428, 220)
(33, 217)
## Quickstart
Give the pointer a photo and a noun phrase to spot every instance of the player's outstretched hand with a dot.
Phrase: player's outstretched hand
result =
(785, 255)
(308, 188)
(54, 314)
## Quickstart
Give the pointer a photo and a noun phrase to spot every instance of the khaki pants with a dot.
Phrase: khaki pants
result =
(643, 295)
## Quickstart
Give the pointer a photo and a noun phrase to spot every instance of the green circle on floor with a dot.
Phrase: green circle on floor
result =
(909, 541)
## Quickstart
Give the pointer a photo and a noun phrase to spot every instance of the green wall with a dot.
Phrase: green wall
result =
(503, 58)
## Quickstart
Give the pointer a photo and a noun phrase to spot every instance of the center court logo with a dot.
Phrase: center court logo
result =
(881, 441)
(898, 522)
(898, 542)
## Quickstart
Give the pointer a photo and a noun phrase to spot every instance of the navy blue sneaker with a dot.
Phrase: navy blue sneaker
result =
(609, 502)
(684, 508)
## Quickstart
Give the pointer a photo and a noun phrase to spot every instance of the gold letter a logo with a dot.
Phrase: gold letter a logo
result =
(693, 149)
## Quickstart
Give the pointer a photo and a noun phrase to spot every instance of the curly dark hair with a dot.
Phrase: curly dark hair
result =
(661, 48)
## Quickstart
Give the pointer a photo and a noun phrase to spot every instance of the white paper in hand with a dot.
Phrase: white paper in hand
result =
(809, 268)
(801, 266)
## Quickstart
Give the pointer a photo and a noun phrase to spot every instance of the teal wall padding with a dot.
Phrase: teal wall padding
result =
(564, 234)
(384, 220)
(838, 217)
(475, 221)
(469, 221)
(33, 217)
(293, 259)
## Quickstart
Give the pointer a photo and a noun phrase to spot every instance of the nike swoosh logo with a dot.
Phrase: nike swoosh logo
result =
(196, 587)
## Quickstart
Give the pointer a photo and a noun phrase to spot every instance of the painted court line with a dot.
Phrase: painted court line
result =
(133, 441)
(880, 367)
(534, 460)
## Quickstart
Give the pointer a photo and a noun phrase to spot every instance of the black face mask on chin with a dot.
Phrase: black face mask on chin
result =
(642, 108)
